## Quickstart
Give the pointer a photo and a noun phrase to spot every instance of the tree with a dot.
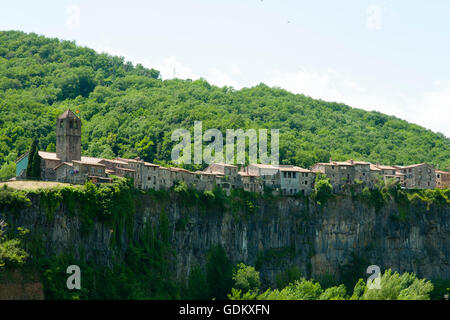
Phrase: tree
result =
(219, 272)
(10, 249)
(8, 170)
(198, 288)
(394, 286)
(34, 161)
(322, 189)
(246, 278)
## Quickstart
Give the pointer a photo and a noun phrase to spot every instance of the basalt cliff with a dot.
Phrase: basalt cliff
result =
(276, 234)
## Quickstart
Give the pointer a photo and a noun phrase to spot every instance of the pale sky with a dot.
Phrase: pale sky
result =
(391, 56)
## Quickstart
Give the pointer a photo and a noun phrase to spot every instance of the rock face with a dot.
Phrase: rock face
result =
(280, 233)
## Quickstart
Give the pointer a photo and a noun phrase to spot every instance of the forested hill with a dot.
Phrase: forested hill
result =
(129, 111)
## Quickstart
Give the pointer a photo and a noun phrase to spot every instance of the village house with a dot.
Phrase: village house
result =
(251, 182)
(442, 179)
(228, 177)
(295, 180)
(418, 176)
(340, 173)
(67, 165)
(269, 174)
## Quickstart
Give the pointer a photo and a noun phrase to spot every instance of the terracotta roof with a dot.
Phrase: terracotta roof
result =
(293, 168)
(91, 160)
(48, 155)
(245, 174)
(89, 163)
(412, 165)
(114, 161)
(180, 170)
(224, 165)
(70, 164)
(385, 167)
(357, 162)
(264, 166)
(108, 171)
(374, 168)
(148, 164)
(68, 114)
(442, 172)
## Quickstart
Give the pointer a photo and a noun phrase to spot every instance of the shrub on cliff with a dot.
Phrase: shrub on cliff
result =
(322, 189)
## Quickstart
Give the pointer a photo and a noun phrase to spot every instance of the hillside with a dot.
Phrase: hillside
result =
(129, 111)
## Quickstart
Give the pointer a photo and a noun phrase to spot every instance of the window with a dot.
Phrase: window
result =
(306, 181)
(293, 174)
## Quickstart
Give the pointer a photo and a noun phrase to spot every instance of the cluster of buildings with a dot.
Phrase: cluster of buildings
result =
(67, 165)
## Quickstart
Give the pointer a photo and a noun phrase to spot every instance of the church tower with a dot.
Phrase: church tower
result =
(68, 137)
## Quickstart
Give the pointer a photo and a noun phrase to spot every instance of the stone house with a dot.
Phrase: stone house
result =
(269, 174)
(361, 172)
(295, 180)
(228, 174)
(205, 180)
(251, 182)
(340, 173)
(442, 179)
(418, 176)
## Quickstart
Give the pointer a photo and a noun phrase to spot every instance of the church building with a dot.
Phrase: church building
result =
(66, 164)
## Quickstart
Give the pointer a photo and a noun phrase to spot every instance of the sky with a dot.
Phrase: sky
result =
(389, 55)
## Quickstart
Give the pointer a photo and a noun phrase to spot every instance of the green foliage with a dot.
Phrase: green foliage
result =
(7, 171)
(128, 110)
(394, 286)
(34, 161)
(440, 288)
(298, 290)
(246, 278)
(11, 251)
(13, 200)
(334, 293)
(219, 272)
(198, 286)
(289, 275)
(322, 189)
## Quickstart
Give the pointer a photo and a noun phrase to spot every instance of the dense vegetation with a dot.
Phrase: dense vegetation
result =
(392, 286)
(129, 111)
(145, 273)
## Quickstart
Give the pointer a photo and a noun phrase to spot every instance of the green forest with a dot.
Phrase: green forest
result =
(128, 111)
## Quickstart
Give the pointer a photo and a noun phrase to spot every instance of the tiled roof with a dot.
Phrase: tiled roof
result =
(91, 160)
(357, 162)
(68, 114)
(224, 165)
(89, 163)
(374, 168)
(114, 161)
(384, 167)
(48, 155)
(70, 164)
(148, 164)
(293, 168)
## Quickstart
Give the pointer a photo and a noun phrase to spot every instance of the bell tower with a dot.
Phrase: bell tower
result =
(68, 137)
